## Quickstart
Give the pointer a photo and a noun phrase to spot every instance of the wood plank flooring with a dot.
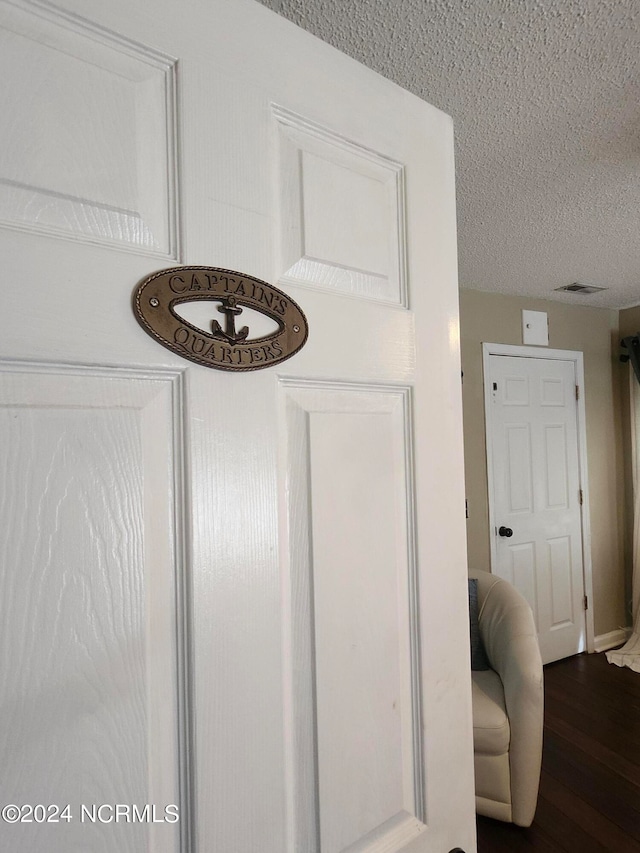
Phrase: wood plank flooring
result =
(590, 786)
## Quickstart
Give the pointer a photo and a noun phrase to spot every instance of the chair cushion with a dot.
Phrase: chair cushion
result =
(491, 733)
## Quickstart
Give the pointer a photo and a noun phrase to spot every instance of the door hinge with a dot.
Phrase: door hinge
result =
(586, 602)
(577, 392)
(580, 496)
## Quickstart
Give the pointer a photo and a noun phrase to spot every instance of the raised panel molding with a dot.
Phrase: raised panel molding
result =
(559, 550)
(555, 451)
(523, 572)
(518, 467)
(551, 391)
(516, 391)
(352, 678)
(342, 213)
(94, 593)
(88, 139)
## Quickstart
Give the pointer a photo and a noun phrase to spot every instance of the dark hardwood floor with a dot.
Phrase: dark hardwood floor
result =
(590, 786)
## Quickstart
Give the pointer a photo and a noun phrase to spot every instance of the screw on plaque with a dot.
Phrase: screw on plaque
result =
(230, 308)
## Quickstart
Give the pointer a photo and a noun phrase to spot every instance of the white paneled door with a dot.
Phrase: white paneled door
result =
(532, 429)
(233, 605)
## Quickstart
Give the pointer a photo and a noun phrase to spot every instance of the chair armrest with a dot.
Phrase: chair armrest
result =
(511, 642)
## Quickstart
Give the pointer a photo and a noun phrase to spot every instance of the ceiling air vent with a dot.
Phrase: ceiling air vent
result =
(576, 287)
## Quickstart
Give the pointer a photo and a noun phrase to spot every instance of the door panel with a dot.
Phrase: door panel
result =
(522, 572)
(532, 427)
(562, 613)
(343, 214)
(89, 591)
(354, 615)
(88, 152)
(556, 457)
(518, 446)
(308, 636)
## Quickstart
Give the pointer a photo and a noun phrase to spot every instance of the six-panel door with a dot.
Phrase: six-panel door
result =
(242, 595)
(532, 427)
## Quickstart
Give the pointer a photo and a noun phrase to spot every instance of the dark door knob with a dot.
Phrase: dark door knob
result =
(505, 531)
(456, 850)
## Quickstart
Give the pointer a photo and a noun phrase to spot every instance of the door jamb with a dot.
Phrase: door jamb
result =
(488, 350)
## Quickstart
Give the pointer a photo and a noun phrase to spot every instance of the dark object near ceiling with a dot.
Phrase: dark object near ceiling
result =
(632, 354)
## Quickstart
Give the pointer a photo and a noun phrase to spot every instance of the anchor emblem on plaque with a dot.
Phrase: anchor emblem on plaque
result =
(232, 310)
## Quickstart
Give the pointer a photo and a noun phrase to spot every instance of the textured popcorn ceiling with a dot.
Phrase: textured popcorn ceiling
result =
(545, 96)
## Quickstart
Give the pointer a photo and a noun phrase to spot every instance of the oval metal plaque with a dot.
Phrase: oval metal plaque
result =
(228, 345)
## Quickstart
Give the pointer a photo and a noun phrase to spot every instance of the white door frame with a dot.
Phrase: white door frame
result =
(561, 355)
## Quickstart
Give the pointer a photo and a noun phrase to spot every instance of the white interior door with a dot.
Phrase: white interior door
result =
(532, 434)
(240, 594)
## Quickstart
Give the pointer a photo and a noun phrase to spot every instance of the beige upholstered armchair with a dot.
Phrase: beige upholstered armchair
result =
(507, 705)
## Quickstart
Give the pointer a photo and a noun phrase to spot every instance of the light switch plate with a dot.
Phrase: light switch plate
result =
(535, 328)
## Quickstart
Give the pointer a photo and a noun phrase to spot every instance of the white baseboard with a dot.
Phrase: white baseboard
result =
(603, 642)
